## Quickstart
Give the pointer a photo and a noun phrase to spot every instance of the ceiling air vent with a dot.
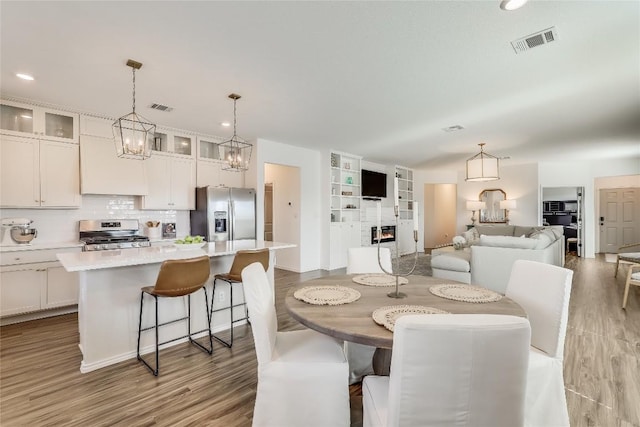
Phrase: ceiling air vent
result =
(161, 107)
(538, 39)
(452, 128)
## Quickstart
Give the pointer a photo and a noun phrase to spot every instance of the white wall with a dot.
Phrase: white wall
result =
(518, 182)
(583, 174)
(311, 187)
(286, 212)
(624, 181)
(61, 225)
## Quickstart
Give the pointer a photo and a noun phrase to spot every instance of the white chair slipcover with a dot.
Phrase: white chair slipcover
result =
(543, 291)
(452, 370)
(363, 261)
(302, 375)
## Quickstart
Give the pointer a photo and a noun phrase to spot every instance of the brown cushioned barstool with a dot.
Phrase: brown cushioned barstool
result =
(240, 261)
(178, 278)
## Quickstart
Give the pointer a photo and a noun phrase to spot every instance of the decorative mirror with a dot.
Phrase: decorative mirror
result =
(492, 212)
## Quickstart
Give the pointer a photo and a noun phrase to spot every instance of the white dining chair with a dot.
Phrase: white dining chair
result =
(302, 375)
(452, 370)
(363, 261)
(543, 291)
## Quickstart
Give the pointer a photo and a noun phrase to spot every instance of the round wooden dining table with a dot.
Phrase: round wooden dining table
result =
(353, 321)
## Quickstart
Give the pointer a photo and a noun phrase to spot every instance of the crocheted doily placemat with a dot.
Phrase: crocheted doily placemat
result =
(387, 316)
(327, 295)
(465, 293)
(378, 279)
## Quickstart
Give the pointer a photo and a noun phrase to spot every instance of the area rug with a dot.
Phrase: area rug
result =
(423, 266)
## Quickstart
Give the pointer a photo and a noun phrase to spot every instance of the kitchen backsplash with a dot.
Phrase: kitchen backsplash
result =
(61, 225)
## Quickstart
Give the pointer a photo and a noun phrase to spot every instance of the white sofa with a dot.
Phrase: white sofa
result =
(493, 254)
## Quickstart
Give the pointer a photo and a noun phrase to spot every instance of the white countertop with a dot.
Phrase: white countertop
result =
(36, 246)
(83, 261)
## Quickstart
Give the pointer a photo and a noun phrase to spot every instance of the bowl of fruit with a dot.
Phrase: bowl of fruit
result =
(190, 242)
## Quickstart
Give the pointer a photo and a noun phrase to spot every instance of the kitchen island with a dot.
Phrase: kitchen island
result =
(109, 297)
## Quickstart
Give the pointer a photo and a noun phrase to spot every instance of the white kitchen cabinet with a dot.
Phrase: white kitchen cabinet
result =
(22, 288)
(33, 280)
(171, 182)
(210, 167)
(173, 142)
(96, 126)
(343, 235)
(39, 173)
(103, 172)
(27, 120)
(211, 173)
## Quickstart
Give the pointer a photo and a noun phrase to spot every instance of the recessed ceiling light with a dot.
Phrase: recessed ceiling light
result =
(225, 124)
(511, 4)
(24, 76)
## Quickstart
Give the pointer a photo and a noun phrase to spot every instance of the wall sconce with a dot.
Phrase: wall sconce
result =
(473, 206)
(507, 205)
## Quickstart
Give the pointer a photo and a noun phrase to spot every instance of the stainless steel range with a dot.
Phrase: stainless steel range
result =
(106, 234)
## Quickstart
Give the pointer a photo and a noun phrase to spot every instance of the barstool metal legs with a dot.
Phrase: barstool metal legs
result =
(189, 335)
(230, 308)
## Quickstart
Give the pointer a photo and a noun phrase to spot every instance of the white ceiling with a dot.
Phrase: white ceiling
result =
(378, 79)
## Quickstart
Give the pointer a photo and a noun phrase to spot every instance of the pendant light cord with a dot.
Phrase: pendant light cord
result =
(234, 117)
(134, 89)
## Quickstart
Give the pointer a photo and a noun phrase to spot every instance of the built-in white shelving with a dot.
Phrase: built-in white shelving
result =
(405, 191)
(345, 187)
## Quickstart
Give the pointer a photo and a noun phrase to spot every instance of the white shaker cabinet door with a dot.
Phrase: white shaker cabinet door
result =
(208, 173)
(103, 172)
(158, 170)
(19, 172)
(59, 174)
(183, 183)
(172, 182)
(21, 290)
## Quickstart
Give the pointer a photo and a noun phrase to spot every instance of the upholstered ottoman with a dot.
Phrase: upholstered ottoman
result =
(451, 264)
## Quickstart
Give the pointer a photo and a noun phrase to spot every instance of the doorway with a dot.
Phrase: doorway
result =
(439, 214)
(283, 221)
(564, 206)
(619, 218)
(268, 212)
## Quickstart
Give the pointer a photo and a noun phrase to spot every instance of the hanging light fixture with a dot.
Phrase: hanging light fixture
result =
(483, 166)
(235, 152)
(133, 133)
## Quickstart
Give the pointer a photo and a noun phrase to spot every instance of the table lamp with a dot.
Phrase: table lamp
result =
(473, 206)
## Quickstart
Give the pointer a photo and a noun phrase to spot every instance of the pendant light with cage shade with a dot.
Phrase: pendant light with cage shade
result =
(235, 152)
(133, 133)
(483, 167)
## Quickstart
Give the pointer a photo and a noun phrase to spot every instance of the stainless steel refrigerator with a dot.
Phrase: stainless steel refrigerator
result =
(224, 213)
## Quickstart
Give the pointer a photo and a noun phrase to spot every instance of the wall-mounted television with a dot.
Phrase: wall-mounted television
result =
(374, 184)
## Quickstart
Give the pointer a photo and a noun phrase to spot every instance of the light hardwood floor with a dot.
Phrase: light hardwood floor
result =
(41, 385)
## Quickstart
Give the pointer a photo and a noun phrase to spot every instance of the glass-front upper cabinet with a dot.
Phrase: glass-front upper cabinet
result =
(170, 142)
(29, 120)
(208, 148)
